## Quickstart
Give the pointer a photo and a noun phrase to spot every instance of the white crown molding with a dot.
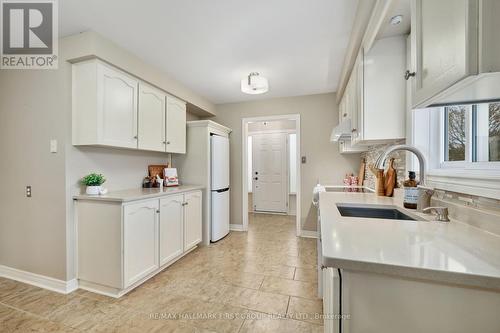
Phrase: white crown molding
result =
(37, 280)
(208, 123)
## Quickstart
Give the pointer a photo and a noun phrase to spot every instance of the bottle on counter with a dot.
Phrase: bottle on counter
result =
(411, 191)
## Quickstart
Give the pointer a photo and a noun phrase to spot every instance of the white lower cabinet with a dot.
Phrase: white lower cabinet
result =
(331, 300)
(140, 240)
(171, 228)
(370, 302)
(192, 225)
(120, 245)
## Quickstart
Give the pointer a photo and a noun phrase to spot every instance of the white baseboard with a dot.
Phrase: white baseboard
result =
(236, 227)
(60, 286)
(308, 234)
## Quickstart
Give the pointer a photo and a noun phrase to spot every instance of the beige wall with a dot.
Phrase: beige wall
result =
(33, 110)
(318, 117)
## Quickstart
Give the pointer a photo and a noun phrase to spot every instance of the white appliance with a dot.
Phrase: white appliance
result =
(219, 187)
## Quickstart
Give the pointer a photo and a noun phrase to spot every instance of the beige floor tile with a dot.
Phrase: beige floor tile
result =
(256, 300)
(140, 323)
(306, 310)
(306, 274)
(281, 271)
(281, 325)
(12, 320)
(86, 314)
(289, 287)
(208, 316)
(11, 288)
(41, 302)
(241, 279)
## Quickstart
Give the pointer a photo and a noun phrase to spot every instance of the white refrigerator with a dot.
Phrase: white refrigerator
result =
(219, 187)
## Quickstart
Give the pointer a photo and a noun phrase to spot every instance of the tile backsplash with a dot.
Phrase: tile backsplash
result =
(371, 157)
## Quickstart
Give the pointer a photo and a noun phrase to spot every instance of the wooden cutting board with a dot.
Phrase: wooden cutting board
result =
(390, 179)
(361, 174)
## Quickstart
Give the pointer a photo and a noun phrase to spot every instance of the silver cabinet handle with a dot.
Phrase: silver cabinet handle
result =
(164, 142)
(409, 74)
(158, 211)
(135, 137)
(168, 142)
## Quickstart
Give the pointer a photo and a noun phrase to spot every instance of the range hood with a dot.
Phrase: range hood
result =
(342, 131)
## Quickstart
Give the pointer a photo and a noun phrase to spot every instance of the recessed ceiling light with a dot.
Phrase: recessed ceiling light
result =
(254, 84)
(397, 19)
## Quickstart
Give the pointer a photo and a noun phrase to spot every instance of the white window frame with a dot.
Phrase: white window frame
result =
(473, 178)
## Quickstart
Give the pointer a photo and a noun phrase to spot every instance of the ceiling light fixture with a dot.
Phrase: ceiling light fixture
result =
(254, 84)
(397, 19)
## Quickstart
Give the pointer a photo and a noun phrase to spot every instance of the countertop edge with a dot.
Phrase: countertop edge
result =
(115, 198)
(416, 273)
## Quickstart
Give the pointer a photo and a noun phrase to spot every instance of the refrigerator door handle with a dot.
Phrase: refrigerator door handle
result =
(222, 190)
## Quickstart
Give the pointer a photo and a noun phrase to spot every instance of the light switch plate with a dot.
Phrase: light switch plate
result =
(304, 160)
(53, 146)
(28, 191)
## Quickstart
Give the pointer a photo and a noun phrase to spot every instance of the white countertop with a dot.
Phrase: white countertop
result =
(138, 193)
(451, 252)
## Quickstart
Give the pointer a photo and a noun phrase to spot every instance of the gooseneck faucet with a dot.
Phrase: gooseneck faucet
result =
(379, 164)
(425, 193)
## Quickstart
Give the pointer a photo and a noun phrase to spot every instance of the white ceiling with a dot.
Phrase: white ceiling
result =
(209, 46)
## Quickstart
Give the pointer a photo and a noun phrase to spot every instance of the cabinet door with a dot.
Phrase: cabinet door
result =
(358, 95)
(117, 107)
(445, 44)
(176, 125)
(151, 118)
(192, 219)
(331, 300)
(140, 240)
(171, 228)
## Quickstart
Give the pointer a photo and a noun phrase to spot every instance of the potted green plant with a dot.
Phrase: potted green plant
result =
(93, 182)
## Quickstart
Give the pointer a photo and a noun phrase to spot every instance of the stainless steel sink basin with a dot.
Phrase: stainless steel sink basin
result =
(375, 212)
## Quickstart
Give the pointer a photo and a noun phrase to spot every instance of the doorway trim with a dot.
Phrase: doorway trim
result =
(244, 165)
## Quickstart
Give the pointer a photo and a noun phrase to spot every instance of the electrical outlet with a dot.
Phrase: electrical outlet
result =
(28, 191)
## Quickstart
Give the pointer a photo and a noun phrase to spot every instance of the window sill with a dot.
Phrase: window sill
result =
(483, 183)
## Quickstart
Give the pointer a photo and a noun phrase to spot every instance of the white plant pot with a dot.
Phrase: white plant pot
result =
(93, 190)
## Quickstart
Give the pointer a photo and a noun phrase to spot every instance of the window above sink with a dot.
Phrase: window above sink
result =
(462, 146)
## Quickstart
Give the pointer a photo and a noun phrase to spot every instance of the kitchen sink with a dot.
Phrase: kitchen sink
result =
(375, 212)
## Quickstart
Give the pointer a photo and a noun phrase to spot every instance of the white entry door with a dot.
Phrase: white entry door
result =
(270, 172)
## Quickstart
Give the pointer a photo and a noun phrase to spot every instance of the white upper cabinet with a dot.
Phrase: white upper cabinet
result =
(176, 126)
(112, 108)
(443, 31)
(378, 107)
(151, 132)
(104, 106)
(454, 42)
